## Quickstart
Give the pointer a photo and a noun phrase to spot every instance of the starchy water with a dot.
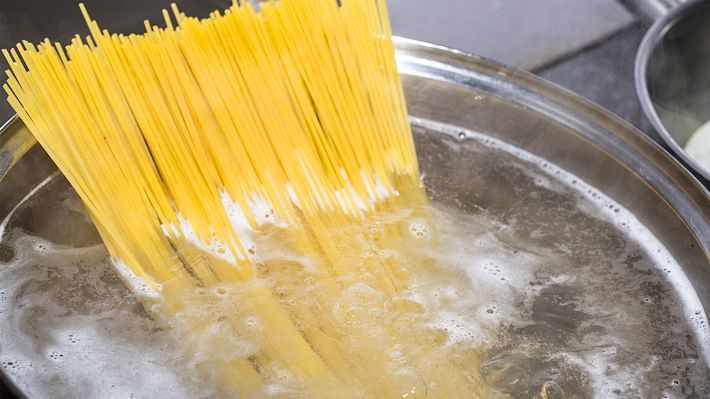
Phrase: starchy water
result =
(560, 290)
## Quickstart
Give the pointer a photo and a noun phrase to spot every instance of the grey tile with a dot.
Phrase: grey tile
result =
(524, 33)
(521, 33)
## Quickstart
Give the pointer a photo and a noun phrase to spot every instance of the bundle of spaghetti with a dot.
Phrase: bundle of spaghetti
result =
(190, 143)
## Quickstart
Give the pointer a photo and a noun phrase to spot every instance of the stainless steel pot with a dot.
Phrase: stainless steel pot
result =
(470, 94)
(672, 71)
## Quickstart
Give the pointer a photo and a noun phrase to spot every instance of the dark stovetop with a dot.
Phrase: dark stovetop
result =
(604, 73)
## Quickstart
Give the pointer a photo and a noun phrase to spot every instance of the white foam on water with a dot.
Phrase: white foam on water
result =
(607, 209)
(139, 285)
(481, 269)
(473, 311)
(110, 350)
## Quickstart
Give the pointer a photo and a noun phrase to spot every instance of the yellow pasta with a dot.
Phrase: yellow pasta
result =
(188, 141)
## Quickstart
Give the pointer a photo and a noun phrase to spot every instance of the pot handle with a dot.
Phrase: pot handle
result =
(650, 10)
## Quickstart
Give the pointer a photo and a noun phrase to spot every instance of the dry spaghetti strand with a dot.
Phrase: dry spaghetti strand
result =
(189, 141)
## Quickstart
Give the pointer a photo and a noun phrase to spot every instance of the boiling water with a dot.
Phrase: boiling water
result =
(560, 289)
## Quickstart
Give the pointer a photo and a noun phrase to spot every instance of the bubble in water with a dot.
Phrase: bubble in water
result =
(252, 323)
(489, 311)
(283, 375)
(419, 229)
(41, 247)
